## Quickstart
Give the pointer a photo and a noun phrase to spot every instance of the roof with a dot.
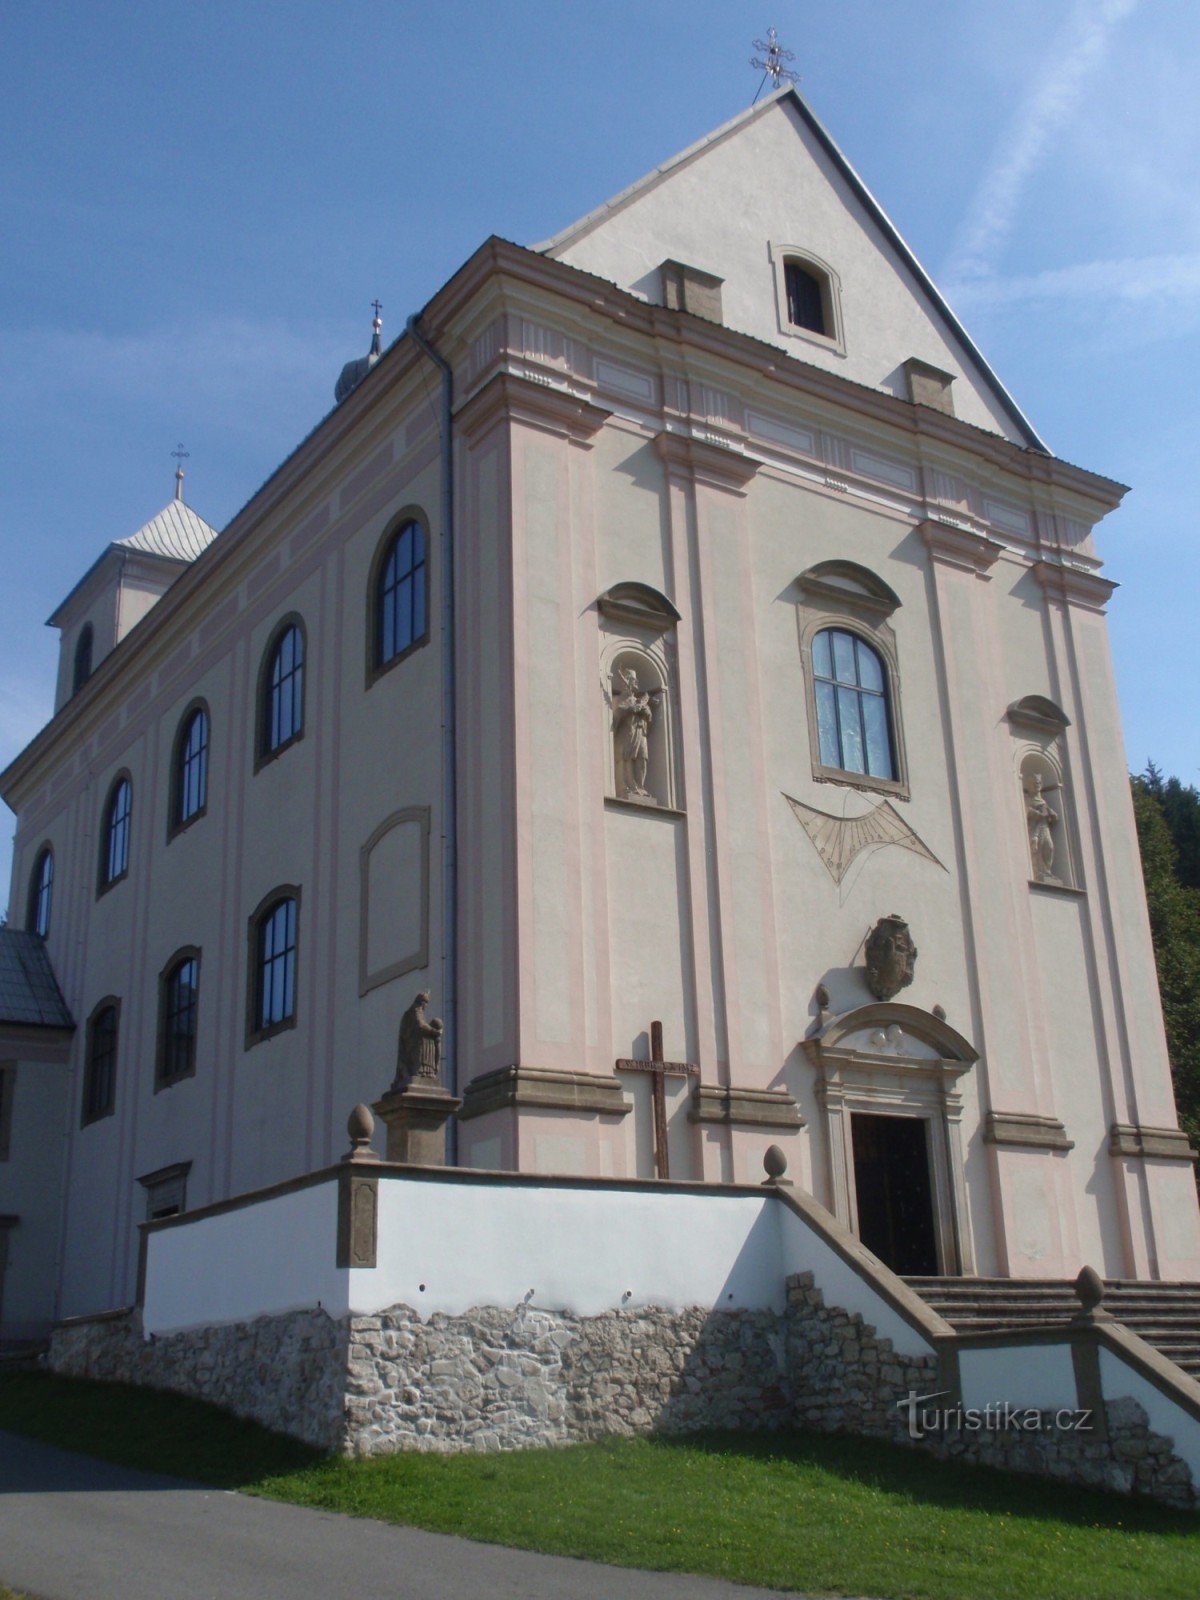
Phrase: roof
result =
(563, 240)
(29, 992)
(177, 532)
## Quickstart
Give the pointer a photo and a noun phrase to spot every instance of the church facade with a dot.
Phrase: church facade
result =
(679, 658)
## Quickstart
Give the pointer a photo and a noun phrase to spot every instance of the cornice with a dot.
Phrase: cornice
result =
(715, 465)
(958, 547)
(505, 396)
(1086, 590)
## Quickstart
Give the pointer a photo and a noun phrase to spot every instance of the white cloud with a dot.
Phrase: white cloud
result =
(1074, 57)
(1129, 280)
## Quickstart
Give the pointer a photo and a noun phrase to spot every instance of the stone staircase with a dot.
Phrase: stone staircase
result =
(1165, 1315)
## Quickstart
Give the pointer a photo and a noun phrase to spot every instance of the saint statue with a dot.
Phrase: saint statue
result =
(1042, 821)
(633, 712)
(420, 1054)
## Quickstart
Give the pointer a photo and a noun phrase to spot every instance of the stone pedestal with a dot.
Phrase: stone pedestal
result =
(416, 1118)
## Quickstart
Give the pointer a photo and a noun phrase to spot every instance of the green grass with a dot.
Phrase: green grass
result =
(799, 1511)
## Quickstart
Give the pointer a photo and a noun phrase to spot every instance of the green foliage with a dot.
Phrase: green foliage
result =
(786, 1510)
(1165, 813)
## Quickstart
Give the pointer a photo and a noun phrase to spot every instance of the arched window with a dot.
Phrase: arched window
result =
(400, 597)
(281, 703)
(853, 719)
(41, 892)
(83, 658)
(179, 999)
(114, 833)
(274, 932)
(100, 1065)
(805, 298)
(190, 792)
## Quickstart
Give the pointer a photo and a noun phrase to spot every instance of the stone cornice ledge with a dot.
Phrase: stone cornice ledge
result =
(747, 1108)
(506, 395)
(715, 465)
(1073, 586)
(959, 547)
(1135, 1139)
(1026, 1130)
(543, 1088)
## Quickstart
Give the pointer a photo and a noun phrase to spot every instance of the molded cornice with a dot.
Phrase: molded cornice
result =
(506, 396)
(715, 465)
(957, 547)
(1073, 587)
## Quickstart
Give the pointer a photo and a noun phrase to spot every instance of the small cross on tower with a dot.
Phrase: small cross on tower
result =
(659, 1070)
(179, 455)
(771, 63)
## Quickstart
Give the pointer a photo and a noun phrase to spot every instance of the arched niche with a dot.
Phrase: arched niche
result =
(887, 1060)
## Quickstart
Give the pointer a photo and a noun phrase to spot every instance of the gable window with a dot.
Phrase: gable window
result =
(852, 706)
(114, 834)
(281, 702)
(100, 1065)
(41, 893)
(190, 792)
(179, 1000)
(83, 658)
(400, 616)
(273, 944)
(805, 301)
(808, 297)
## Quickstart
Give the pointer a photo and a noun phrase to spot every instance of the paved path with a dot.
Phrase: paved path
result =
(72, 1528)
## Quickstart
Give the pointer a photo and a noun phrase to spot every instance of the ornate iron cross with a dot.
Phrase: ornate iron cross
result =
(659, 1071)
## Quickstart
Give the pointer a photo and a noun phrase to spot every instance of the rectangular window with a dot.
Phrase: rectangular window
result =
(166, 1191)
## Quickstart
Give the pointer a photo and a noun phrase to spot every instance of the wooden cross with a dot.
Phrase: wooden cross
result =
(659, 1071)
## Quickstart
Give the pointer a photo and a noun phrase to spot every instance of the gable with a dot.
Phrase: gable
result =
(770, 186)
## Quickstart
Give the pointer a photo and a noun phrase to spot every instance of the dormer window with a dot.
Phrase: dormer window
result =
(808, 296)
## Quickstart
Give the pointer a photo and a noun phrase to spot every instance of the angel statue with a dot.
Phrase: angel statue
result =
(633, 712)
(1042, 821)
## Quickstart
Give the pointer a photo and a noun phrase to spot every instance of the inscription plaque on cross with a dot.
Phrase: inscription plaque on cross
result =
(659, 1071)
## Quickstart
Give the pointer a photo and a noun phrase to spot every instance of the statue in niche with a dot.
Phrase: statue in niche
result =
(419, 1059)
(891, 957)
(1042, 821)
(633, 712)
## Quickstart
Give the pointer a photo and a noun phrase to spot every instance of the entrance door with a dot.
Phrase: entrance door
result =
(894, 1191)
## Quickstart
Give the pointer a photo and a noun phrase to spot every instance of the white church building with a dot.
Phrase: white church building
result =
(678, 624)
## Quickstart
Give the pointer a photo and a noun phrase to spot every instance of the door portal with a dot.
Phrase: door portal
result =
(894, 1191)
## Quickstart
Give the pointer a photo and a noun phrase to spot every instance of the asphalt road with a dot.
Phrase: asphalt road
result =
(72, 1528)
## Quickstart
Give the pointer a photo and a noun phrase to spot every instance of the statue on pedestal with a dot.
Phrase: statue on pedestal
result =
(419, 1057)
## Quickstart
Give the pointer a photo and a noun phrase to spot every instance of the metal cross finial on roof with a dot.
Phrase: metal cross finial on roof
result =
(179, 455)
(376, 326)
(772, 63)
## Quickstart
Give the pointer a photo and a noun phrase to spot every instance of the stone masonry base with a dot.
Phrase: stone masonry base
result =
(500, 1379)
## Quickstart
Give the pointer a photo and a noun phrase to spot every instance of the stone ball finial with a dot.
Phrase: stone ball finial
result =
(774, 1164)
(360, 1125)
(1089, 1288)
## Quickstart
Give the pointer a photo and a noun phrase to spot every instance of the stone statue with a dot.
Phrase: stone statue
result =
(633, 712)
(891, 957)
(1042, 820)
(419, 1058)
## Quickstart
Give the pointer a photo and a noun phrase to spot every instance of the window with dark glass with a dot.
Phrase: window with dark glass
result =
(191, 768)
(114, 859)
(400, 600)
(283, 691)
(83, 658)
(853, 719)
(275, 966)
(180, 1005)
(41, 893)
(805, 298)
(100, 1067)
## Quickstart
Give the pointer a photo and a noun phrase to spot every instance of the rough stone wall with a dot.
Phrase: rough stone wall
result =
(286, 1372)
(501, 1379)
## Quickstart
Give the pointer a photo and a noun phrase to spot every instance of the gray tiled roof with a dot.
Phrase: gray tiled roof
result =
(177, 531)
(29, 992)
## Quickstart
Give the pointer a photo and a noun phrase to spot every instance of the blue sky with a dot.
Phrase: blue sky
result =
(202, 200)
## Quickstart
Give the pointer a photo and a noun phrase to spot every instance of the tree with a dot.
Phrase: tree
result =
(1174, 905)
